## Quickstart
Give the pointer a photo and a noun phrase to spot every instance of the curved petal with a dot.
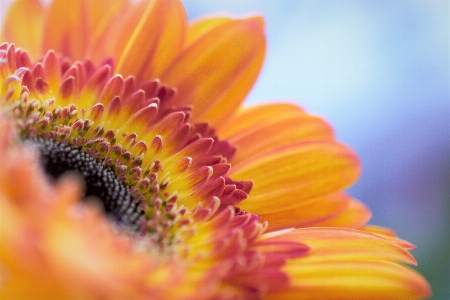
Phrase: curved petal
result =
(297, 174)
(23, 26)
(70, 25)
(388, 234)
(215, 72)
(201, 26)
(268, 130)
(349, 264)
(332, 243)
(308, 215)
(254, 115)
(353, 280)
(356, 216)
(150, 37)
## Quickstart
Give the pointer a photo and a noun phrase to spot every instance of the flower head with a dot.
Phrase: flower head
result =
(131, 170)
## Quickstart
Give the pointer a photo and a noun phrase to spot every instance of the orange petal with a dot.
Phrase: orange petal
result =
(308, 215)
(103, 13)
(296, 174)
(149, 38)
(52, 69)
(200, 27)
(269, 130)
(23, 26)
(356, 216)
(388, 234)
(247, 117)
(358, 279)
(330, 243)
(71, 24)
(215, 72)
(13, 287)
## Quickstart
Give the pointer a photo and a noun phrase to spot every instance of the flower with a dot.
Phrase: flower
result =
(130, 171)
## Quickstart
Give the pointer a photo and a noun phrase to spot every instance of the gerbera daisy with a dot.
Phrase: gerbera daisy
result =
(130, 171)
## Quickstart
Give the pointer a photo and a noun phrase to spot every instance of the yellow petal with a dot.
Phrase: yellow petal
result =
(268, 129)
(358, 279)
(297, 174)
(215, 72)
(356, 216)
(149, 37)
(201, 26)
(332, 243)
(23, 26)
(70, 25)
(349, 264)
(247, 117)
(308, 215)
(388, 234)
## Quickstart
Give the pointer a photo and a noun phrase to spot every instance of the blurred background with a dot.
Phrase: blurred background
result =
(378, 71)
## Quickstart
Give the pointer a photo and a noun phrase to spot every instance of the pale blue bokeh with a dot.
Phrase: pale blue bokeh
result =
(379, 72)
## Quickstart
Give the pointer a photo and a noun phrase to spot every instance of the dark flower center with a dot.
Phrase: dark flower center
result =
(101, 181)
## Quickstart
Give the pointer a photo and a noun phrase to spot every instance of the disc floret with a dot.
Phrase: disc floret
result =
(167, 165)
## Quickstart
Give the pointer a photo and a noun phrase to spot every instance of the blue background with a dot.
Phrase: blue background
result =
(378, 71)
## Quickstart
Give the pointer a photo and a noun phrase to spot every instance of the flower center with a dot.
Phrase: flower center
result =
(101, 181)
(153, 171)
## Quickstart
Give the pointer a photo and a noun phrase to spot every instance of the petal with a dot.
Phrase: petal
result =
(247, 117)
(308, 215)
(297, 174)
(104, 13)
(330, 243)
(356, 215)
(23, 26)
(149, 37)
(267, 129)
(71, 24)
(215, 72)
(200, 27)
(13, 286)
(358, 279)
(349, 264)
(388, 234)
